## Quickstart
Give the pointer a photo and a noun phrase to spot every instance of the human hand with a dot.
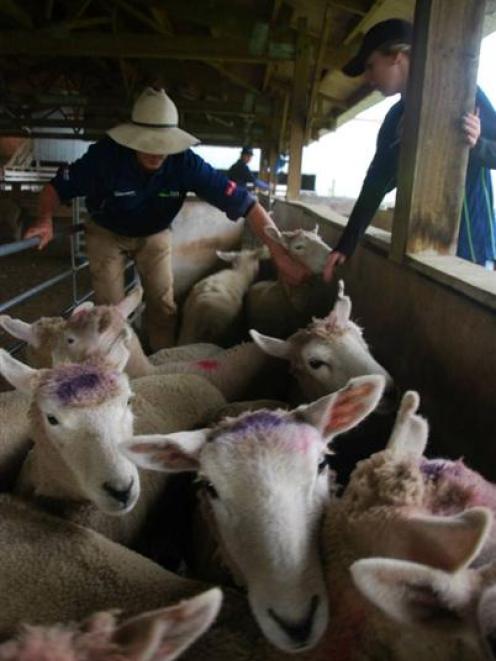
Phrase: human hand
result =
(471, 127)
(42, 228)
(291, 271)
(335, 258)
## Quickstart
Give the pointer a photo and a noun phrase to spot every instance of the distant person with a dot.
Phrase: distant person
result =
(384, 59)
(241, 173)
(135, 181)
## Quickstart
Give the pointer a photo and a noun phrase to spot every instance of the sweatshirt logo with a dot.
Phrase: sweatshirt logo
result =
(230, 188)
(169, 193)
(124, 193)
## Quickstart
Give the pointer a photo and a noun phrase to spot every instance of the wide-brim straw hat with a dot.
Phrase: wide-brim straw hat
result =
(153, 127)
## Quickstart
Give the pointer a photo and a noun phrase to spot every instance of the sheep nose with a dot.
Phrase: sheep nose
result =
(122, 495)
(299, 632)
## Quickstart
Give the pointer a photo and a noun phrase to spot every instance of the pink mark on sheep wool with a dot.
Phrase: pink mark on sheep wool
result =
(208, 365)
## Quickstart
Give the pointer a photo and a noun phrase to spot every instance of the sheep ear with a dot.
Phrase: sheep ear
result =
(162, 635)
(171, 453)
(18, 374)
(129, 304)
(273, 233)
(227, 255)
(20, 329)
(410, 431)
(118, 354)
(443, 542)
(411, 593)
(271, 345)
(346, 408)
(83, 307)
(339, 316)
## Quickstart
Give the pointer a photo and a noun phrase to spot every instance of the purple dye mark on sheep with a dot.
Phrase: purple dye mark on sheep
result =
(69, 389)
(434, 469)
(259, 421)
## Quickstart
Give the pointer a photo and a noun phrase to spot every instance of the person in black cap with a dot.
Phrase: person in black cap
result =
(384, 60)
(241, 174)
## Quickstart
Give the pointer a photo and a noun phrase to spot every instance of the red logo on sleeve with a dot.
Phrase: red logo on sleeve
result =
(230, 188)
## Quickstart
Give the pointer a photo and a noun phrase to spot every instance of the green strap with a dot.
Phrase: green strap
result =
(489, 210)
(468, 223)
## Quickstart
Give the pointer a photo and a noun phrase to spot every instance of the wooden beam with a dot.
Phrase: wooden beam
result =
(357, 7)
(11, 8)
(433, 159)
(138, 46)
(324, 36)
(299, 109)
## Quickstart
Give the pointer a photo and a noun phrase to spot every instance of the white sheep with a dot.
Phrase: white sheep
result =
(453, 612)
(212, 310)
(91, 329)
(385, 512)
(159, 635)
(263, 487)
(80, 414)
(326, 354)
(304, 245)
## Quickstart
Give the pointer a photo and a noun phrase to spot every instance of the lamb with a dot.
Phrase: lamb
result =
(211, 312)
(304, 245)
(240, 372)
(322, 357)
(161, 635)
(268, 536)
(326, 354)
(80, 414)
(87, 330)
(458, 605)
(384, 512)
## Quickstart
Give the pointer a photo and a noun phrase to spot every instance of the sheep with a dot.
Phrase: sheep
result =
(322, 357)
(240, 372)
(459, 605)
(84, 332)
(268, 535)
(53, 570)
(161, 635)
(211, 312)
(80, 413)
(384, 512)
(304, 245)
(278, 309)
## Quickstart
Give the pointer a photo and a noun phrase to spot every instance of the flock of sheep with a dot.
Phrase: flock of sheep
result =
(315, 510)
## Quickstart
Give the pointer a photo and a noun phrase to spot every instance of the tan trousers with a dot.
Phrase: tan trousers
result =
(107, 254)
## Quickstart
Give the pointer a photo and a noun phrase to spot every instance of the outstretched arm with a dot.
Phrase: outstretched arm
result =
(48, 203)
(291, 271)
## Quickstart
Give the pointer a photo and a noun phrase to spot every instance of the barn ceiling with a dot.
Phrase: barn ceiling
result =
(75, 66)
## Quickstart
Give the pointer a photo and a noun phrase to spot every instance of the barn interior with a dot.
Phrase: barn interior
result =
(268, 73)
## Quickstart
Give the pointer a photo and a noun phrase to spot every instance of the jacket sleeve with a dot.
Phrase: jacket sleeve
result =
(78, 179)
(485, 149)
(215, 187)
(379, 180)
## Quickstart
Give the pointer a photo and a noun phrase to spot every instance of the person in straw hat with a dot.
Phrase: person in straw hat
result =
(135, 181)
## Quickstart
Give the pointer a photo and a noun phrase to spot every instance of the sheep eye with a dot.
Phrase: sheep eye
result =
(208, 487)
(323, 464)
(315, 363)
(70, 340)
(52, 420)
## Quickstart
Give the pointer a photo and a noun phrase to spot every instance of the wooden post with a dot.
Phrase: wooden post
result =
(433, 159)
(299, 109)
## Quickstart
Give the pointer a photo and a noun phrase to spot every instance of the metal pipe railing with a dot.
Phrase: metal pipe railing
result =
(76, 266)
(25, 244)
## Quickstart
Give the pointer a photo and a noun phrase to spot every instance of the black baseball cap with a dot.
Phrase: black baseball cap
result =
(247, 151)
(386, 33)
